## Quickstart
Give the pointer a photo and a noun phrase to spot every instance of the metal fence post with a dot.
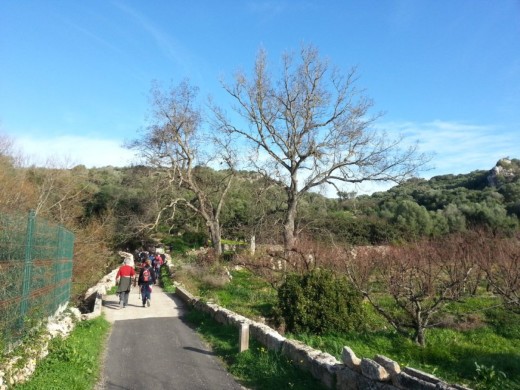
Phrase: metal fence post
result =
(57, 266)
(26, 284)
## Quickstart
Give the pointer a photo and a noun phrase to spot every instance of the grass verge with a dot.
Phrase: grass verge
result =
(451, 355)
(480, 349)
(245, 294)
(74, 362)
(257, 368)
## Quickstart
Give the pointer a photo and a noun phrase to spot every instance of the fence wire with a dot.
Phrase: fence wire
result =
(35, 273)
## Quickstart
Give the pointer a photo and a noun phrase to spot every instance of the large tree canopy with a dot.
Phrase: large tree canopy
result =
(311, 126)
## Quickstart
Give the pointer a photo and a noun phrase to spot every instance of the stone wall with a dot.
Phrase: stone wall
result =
(17, 366)
(351, 373)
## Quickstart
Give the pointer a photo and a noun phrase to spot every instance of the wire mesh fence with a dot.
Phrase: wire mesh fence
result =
(35, 273)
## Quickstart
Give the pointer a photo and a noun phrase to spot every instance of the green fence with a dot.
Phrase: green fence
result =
(35, 273)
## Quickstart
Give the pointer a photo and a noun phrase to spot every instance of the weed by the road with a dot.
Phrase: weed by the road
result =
(256, 368)
(450, 354)
(74, 362)
(165, 280)
(476, 332)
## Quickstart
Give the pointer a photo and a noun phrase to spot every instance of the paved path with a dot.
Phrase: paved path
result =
(152, 348)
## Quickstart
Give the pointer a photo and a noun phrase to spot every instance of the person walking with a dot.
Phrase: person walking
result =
(157, 266)
(124, 277)
(146, 280)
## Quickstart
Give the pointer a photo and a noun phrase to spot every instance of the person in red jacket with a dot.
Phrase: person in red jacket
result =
(124, 278)
(157, 266)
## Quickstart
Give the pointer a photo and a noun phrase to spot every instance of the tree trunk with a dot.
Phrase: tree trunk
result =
(252, 248)
(214, 231)
(289, 234)
(420, 337)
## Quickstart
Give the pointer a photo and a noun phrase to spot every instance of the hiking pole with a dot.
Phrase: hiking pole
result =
(138, 288)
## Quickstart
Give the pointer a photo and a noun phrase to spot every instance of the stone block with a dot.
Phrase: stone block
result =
(324, 367)
(349, 358)
(182, 293)
(221, 316)
(206, 307)
(297, 352)
(237, 319)
(365, 383)
(203, 307)
(460, 387)
(76, 313)
(227, 315)
(392, 367)
(266, 336)
(347, 379)
(421, 375)
(440, 385)
(408, 382)
(374, 370)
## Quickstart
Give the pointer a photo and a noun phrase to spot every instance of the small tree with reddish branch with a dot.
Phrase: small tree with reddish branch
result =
(420, 279)
(499, 258)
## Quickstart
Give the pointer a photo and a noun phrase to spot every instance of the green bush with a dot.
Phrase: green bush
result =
(195, 239)
(188, 240)
(319, 302)
(165, 280)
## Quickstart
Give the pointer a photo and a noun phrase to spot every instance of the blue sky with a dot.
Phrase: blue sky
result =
(75, 75)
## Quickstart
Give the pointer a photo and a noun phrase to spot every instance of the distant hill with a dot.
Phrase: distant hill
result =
(441, 205)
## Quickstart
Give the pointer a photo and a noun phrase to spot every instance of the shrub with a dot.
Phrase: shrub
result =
(195, 239)
(165, 280)
(319, 302)
(489, 378)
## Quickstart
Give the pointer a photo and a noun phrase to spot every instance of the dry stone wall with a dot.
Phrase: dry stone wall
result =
(351, 373)
(16, 369)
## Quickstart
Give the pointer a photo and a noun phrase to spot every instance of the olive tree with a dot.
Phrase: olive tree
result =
(178, 145)
(310, 127)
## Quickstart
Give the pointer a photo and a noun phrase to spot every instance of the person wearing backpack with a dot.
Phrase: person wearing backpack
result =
(124, 282)
(146, 279)
(157, 266)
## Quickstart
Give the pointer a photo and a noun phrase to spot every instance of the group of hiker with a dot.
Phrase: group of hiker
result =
(149, 269)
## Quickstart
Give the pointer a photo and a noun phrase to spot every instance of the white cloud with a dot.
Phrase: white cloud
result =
(459, 147)
(69, 151)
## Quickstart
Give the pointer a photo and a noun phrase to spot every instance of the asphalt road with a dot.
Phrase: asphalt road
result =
(152, 348)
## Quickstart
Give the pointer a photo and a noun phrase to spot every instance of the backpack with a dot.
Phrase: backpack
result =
(147, 278)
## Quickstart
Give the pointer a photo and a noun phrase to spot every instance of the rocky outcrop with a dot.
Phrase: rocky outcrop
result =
(504, 168)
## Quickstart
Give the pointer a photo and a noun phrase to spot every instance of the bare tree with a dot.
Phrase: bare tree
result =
(179, 147)
(311, 127)
(15, 192)
(499, 258)
(60, 193)
(420, 279)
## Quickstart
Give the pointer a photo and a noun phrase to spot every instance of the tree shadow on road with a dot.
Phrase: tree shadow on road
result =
(211, 353)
